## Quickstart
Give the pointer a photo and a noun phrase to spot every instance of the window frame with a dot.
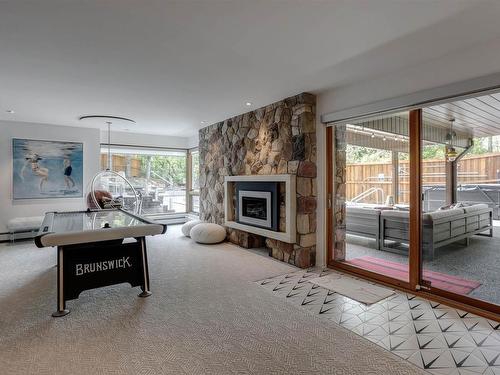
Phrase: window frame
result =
(115, 150)
(191, 192)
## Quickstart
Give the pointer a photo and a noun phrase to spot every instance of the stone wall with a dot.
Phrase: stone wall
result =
(277, 139)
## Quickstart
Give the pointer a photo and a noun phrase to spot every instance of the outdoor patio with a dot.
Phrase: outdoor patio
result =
(479, 262)
(460, 183)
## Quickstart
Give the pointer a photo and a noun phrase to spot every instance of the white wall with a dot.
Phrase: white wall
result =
(136, 139)
(35, 207)
(194, 141)
(480, 60)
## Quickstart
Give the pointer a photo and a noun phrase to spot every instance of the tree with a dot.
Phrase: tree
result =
(170, 169)
(358, 154)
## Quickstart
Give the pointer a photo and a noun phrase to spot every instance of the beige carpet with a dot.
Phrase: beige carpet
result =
(206, 316)
(356, 289)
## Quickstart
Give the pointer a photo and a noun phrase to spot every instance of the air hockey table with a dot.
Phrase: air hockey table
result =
(97, 248)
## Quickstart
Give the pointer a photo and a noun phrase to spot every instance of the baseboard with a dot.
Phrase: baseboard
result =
(4, 237)
(172, 220)
(18, 236)
(192, 216)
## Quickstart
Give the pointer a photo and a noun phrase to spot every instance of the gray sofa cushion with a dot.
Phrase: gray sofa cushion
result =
(427, 217)
(475, 207)
(441, 214)
(394, 213)
(362, 211)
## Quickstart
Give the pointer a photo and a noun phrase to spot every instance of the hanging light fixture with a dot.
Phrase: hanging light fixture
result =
(451, 153)
(108, 188)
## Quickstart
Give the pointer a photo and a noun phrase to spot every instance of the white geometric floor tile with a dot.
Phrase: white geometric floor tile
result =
(492, 371)
(398, 316)
(380, 319)
(430, 341)
(399, 328)
(451, 325)
(433, 336)
(364, 329)
(349, 322)
(432, 359)
(484, 339)
(445, 371)
(445, 313)
(472, 370)
(494, 325)
(459, 340)
(405, 354)
(426, 326)
(423, 315)
(477, 324)
(491, 356)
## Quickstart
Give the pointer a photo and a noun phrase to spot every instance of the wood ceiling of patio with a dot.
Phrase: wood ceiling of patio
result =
(480, 114)
(474, 117)
(397, 124)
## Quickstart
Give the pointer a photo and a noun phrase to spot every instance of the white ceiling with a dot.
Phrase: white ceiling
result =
(170, 65)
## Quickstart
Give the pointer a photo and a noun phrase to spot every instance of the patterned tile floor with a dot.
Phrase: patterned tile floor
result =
(435, 337)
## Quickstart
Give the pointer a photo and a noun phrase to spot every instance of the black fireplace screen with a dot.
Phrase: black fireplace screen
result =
(255, 207)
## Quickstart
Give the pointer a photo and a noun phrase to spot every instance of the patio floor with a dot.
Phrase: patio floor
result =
(480, 261)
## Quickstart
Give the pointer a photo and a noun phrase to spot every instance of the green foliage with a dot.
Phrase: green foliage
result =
(170, 170)
(358, 154)
(433, 151)
(479, 147)
(195, 165)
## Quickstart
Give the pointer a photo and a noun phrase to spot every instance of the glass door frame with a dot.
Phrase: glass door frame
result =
(416, 284)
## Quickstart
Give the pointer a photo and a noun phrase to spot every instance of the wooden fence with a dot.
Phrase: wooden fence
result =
(121, 163)
(360, 177)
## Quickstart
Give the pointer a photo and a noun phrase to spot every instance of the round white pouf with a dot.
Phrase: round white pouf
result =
(208, 233)
(186, 228)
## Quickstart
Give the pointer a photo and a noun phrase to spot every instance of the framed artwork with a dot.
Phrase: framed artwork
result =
(47, 169)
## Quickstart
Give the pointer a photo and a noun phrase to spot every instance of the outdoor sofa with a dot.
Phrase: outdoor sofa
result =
(390, 228)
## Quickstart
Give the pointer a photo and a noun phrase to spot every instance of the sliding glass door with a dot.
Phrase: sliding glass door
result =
(414, 199)
(461, 198)
(371, 196)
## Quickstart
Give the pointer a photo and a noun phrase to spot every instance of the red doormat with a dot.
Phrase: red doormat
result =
(400, 271)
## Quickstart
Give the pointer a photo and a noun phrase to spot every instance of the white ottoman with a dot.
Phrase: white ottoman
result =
(186, 228)
(208, 233)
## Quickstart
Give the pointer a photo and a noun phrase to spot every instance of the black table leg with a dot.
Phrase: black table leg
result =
(61, 303)
(145, 271)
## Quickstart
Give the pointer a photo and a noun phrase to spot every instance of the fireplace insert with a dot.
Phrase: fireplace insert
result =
(257, 204)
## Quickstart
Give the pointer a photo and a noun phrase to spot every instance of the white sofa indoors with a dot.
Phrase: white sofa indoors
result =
(24, 227)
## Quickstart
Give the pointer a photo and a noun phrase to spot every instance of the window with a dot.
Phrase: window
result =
(158, 175)
(194, 188)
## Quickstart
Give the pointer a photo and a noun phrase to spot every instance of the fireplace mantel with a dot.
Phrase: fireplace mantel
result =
(289, 235)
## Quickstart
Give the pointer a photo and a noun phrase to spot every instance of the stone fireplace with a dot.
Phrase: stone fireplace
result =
(278, 140)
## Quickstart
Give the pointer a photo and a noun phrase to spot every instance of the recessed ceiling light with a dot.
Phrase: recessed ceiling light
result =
(248, 104)
(10, 111)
